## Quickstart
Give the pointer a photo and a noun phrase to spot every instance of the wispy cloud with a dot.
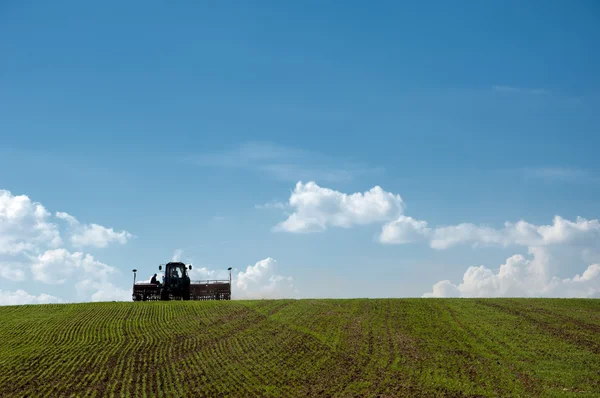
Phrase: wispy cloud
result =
(284, 163)
(272, 205)
(521, 90)
(561, 174)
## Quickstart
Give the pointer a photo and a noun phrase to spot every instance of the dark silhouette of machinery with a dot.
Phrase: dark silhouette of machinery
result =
(177, 285)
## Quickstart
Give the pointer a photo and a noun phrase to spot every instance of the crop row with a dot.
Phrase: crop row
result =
(301, 348)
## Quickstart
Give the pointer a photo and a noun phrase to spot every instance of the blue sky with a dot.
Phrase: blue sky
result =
(175, 123)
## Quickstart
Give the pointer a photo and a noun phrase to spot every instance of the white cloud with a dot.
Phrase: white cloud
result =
(445, 237)
(261, 281)
(110, 292)
(317, 208)
(98, 236)
(12, 271)
(67, 217)
(552, 247)
(30, 242)
(24, 225)
(404, 230)
(553, 250)
(93, 234)
(102, 291)
(20, 297)
(521, 233)
(57, 266)
(520, 276)
(444, 288)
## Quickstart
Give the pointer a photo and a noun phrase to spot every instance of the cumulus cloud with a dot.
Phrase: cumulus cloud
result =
(20, 297)
(522, 276)
(553, 250)
(31, 248)
(261, 281)
(59, 265)
(404, 230)
(98, 236)
(93, 235)
(12, 272)
(24, 225)
(521, 233)
(446, 237)
(110, 292)
(316, 208)
(102, 291)
(25, 230)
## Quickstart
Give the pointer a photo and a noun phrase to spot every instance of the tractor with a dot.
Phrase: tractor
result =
(176, 285)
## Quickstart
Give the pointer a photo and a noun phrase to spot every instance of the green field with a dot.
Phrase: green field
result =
(299, 348)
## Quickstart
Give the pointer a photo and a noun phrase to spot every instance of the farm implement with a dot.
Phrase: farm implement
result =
(176, 285)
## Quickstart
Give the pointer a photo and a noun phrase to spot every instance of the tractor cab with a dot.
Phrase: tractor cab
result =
(177, 280)
(175, 273)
